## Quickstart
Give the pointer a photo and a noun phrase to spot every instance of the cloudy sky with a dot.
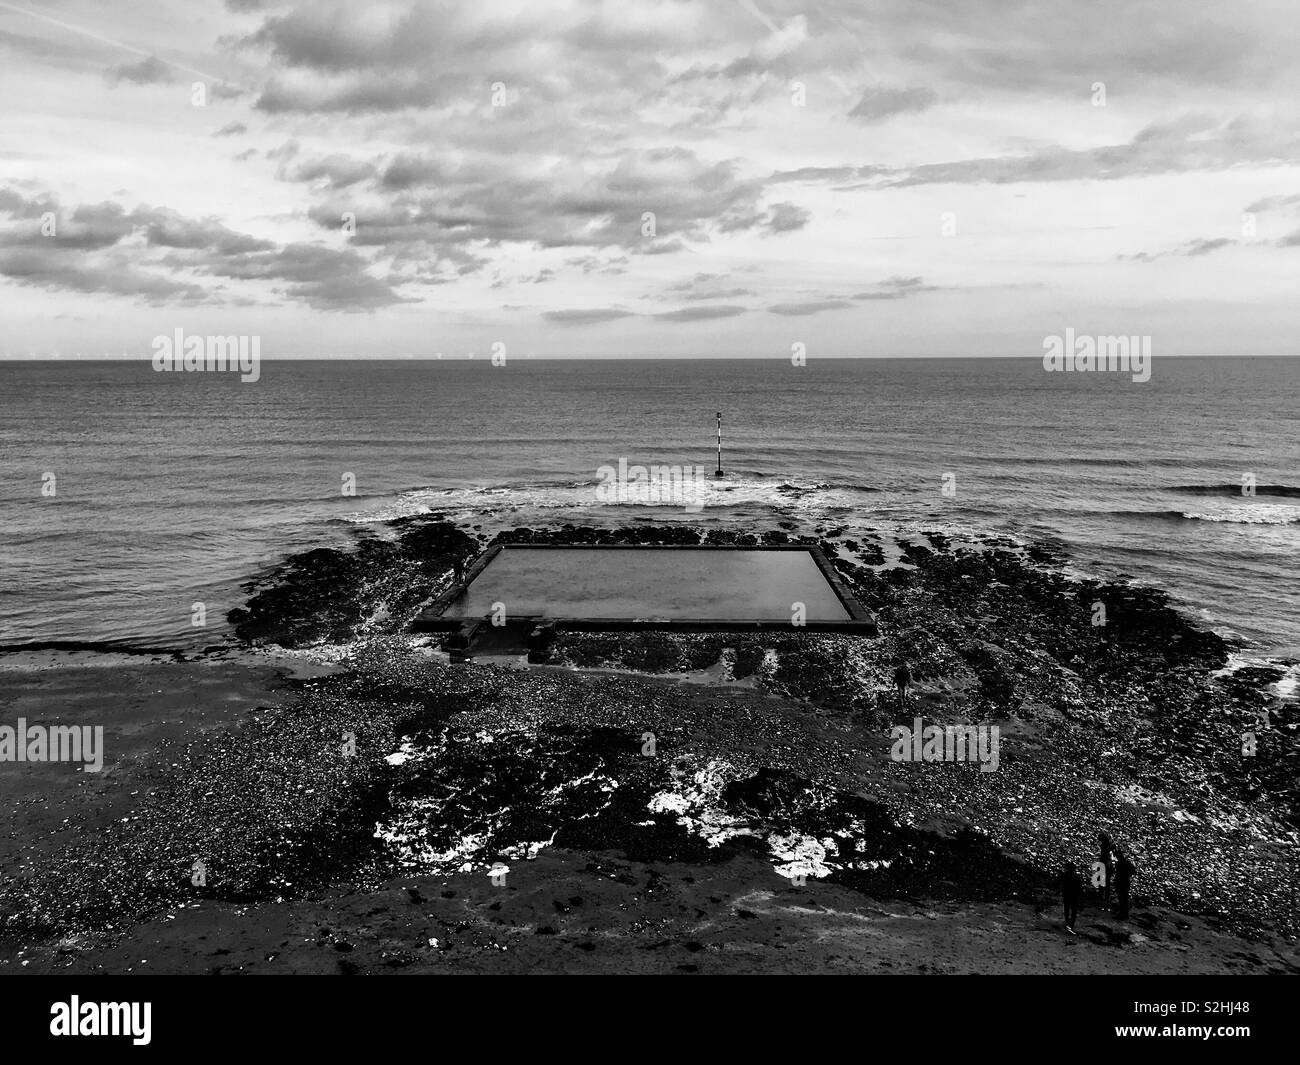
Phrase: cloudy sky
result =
(652, 177)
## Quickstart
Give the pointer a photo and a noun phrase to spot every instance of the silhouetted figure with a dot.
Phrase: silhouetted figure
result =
(903, 678)
(1106, 853)
(460, 568)
(1124, 870)
(1071, 894)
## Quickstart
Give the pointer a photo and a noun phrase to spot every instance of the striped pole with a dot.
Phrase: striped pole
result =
(718, 471)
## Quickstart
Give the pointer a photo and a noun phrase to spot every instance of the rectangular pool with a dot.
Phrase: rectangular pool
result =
(648, 585)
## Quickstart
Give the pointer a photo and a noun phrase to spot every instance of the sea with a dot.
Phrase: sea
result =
(127, 496)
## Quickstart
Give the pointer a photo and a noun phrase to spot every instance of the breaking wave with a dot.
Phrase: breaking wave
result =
(1285, 491)
(722, 494)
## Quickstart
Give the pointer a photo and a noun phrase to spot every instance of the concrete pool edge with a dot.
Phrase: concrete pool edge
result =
(860, 621)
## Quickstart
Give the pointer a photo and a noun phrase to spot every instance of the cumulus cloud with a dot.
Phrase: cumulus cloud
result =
(651, 201)
(497, 144)
(115, 275)
(159, 254)
(82, 250)
(335, 56)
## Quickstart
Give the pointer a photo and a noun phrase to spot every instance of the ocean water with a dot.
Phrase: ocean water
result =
(174, 488)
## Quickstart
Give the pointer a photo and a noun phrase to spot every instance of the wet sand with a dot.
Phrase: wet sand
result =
(581, 912)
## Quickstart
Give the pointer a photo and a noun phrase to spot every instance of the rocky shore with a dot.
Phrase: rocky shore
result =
(688, 755)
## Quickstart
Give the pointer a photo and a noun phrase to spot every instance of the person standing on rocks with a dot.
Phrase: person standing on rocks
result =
(1071, 894)
(1124, 870)
(903, 678)
(1106, 852)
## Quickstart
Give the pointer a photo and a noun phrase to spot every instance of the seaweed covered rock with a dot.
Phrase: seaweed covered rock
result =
(332, 595)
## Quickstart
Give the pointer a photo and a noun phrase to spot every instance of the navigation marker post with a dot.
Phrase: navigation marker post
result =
(718, 471)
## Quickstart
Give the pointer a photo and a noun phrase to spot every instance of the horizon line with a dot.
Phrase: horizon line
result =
(638, 357)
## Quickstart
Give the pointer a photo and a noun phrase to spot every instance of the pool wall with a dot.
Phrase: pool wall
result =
(860, 621)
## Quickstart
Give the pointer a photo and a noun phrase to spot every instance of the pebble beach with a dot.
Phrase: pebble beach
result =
(331, 757)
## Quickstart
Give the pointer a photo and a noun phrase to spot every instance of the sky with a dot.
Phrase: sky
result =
(649, 177)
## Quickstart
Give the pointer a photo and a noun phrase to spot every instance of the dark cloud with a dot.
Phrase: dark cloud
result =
(157, 253)
(1274, 203)
(333, 171)
(341, 37)
(670, 246)
(1204, 246)
(345, 286)
(882, 102)
(700, 314)
(894, 288)
(16, 205)
(608, 314)
(787, 217)
(409, 171)
(340, 57)
(586, 316)
(336, 56)
(321, 277)
(352, 94)
(1188, 143)
(224, 90)
(814, 307)
(89, 227)
(651, 201)
(708, 287)
(51, 267)
(1199, 246)
(165, 228)
(149, 71)
(615, 114)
